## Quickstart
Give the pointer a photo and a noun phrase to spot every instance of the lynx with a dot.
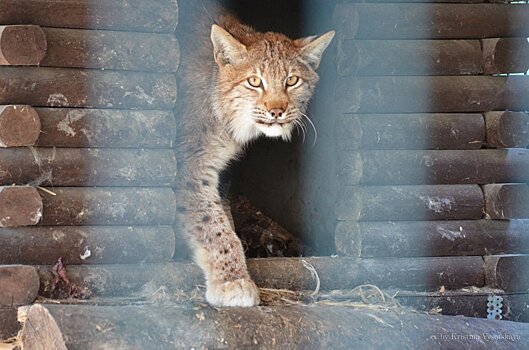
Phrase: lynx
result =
(239, 85)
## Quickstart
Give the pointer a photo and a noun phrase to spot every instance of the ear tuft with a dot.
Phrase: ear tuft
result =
(226, 49)
(313, 47)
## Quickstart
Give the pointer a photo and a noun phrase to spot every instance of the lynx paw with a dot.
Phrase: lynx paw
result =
(241, 292)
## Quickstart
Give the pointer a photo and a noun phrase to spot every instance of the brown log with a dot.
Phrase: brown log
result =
(408, 57)
(9, 325)
(19, 206)
(19, 126)
(416, 203)
(507, 129)
(74, 48)
(410, 131)
(510, 273)
(133, 15)
(430, 21)
(87, 245)
(505, 55)
(20, 285)
(75, 206)
(506, 201)
(88, 167)
(431, 94)
(294, 327)
(71, 127)
(290, 273)
(415, 167)
(21, 45)
(431, 238)
(60, 87)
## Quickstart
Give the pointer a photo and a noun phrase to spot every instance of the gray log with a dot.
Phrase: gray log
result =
(409, 57)
(507, 129)
(506, 201)
(420, 203)
(88, 167)
(430, 21)
(20, 285)
(71, 48)
(9, 325)
(505, 55)
(510, 273)
(87, 245)
(410, 131)
(61, 87)
(415, 167)
(431, 238)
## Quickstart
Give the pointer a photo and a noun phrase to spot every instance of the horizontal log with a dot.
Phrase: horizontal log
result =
(410, 131)
(431, 94)
(109, 128)
(87, 245)
(61, 87)
(19, 206)
(20, 285)
(72, 48)
(409, 57)
(470, 304)
(507, 129)
(133, 15)
(430, 21)
(19, 126)
(81, 206)
(506, 201)
(316, 327)
(505, 55)
(415, 167)
(510, 273)
(405, 203)
(21, 45)
(334, 273)
(9, 325)
(431, 238)
(88, 167)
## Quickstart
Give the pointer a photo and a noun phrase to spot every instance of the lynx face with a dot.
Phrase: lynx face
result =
(265, 81)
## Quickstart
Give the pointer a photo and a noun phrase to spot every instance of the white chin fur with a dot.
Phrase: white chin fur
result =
(276, 130)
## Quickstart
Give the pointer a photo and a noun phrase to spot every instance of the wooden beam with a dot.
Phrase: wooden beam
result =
(435, 94)
(506, 201)
(72, 48)
(20, 285)
(410, 131)
(507, 129)
(431, 238)
(505, 55)
(430, 21)
(75, 206)
(19, 206)
(408, 57)
(409, 203)
(290, 273)
(107, 128)
(88, 167)
(416, 167)
(21, 45)
(87, 245)
(510, 273)
(315, 327)
(61, 87)
(9, 325)
(19, 126)
(141, 16)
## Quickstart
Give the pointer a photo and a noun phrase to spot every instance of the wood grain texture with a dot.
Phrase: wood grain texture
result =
(506, 201)
(22, 45)
(505, 55)
(19, 126)
(507, 129)
(19, 206)
(510, 273)
(20, 285)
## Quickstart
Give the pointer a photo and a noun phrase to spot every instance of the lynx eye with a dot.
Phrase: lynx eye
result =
(255, 81)
(293, 80)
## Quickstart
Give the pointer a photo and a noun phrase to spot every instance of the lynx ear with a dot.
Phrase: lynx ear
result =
(226, 49)
(313, 47)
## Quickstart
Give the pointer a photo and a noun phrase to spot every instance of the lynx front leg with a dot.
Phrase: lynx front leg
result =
(218, 251)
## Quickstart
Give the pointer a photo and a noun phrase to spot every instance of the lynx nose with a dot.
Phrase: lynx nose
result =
(276, 112)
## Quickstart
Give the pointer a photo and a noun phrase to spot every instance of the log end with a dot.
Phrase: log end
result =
(20, 285)
(20, 206)
(19, 126)
(46, 336)
(22, 45)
